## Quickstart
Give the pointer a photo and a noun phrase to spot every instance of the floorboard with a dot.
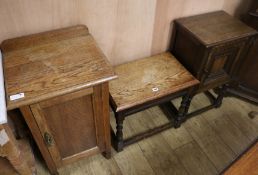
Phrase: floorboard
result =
(211, 144)
(174, 137)
(205, 144)
(225, 129)
(132, 161)
(238, 115)
(161, 157)
(195, 160)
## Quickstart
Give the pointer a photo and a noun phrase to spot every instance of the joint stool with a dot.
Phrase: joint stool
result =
(145, 83)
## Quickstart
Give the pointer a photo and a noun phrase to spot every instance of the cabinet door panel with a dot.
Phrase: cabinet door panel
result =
(44, 130)
(221, 61)
(218, 64)
(68, 126)
(72, 125)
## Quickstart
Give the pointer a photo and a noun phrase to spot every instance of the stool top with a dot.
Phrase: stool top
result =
(147, 79)
(45, 65)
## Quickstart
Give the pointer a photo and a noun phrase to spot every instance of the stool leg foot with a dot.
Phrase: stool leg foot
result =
(107, 154)
(183, 109)
(119, 141)
(221, 94)
(177, 124)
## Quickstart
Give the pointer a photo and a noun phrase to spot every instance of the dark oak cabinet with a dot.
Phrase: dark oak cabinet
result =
(212, 46)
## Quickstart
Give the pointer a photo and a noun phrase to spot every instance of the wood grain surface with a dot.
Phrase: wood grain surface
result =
(216, 27)
(175, 137)
(72, 126)
(62, 61)
(138, 78)
(211, 144)
(79, 137)
(195, 160)
(160, 157)
(133, 161)
(230, 134)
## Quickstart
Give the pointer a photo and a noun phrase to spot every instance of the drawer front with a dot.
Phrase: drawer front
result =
(222, 61)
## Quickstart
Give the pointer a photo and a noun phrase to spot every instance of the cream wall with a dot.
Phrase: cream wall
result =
(168, 10)
(237, 7)
(124, 29)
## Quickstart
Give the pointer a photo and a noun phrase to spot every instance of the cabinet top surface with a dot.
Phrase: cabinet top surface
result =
(214, 27)
(148, 79)
(52, 63)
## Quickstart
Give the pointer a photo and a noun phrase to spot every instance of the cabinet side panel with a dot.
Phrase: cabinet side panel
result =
(187, 50)
(72, 125)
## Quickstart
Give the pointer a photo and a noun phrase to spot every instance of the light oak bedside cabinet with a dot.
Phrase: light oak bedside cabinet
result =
(59, 80)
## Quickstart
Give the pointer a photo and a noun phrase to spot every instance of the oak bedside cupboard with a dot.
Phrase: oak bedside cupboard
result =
(59, 80)
(211, 46)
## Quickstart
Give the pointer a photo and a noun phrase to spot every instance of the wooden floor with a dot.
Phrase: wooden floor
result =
(205, 144)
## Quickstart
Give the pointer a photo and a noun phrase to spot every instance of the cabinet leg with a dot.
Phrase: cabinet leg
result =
(119, 141)
(221, 94)
(107, 154)
(183, 109)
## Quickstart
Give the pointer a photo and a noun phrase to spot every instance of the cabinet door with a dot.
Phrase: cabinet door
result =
(72, 126)
(222, 61)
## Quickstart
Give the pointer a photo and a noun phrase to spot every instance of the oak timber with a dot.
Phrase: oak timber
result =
(145, 83)
(195, 160)
(216, 27)
(164, 72)
(60, 61)
(212, 47)
(64, 77)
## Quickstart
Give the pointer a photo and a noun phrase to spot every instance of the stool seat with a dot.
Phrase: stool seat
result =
(148, 79)
(145, 83)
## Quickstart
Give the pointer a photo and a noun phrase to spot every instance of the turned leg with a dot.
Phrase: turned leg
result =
(119, 141)
(183, 109)
(221, 94)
